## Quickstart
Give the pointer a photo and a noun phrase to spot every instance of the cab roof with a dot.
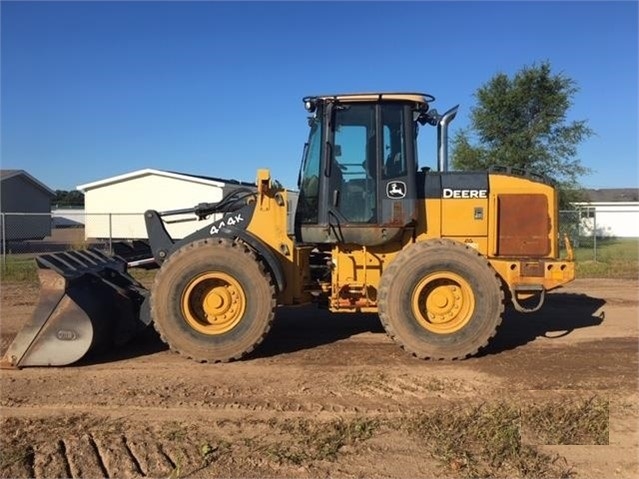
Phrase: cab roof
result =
(423, 98)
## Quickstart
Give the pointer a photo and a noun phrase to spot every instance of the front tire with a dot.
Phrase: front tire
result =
(213, 301)
(440, 299)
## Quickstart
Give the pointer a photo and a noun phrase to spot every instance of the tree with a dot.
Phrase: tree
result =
(522, 123)
(68, 198)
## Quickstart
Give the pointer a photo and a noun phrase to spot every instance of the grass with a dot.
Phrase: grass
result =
(486, 440)
(15, 453)
(497, 439)
(318, 441)
(23, 270)
(614, 258)
(577, 423)
(144, 276)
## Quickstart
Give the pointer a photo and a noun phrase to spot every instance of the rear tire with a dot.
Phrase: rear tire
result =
(213, 301)
(440, 299)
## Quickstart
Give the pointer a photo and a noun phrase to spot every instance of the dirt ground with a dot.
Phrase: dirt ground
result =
(332, 396)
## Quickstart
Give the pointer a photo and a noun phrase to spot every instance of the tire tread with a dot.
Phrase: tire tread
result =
(402, 260)
(187, 250)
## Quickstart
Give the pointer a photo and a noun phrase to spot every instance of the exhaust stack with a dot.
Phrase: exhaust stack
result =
(442, 138)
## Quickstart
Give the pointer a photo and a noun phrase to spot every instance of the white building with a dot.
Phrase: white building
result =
(114, 207)
(612, 212)
(71, 217)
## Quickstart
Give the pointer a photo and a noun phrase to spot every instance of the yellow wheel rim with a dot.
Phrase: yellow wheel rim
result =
(443, 302)
(213, 303)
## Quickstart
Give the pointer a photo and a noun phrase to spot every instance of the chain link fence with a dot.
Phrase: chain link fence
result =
(592, 228)
(26, 235)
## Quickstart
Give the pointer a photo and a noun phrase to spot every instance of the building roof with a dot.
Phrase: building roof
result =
(6, 174)
(612, 195)
(207, 180)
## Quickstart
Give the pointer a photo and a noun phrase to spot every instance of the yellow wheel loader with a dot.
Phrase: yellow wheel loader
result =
(437, 253)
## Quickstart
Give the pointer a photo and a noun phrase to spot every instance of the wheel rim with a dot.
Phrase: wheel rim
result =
(443, 302)
(213, 303)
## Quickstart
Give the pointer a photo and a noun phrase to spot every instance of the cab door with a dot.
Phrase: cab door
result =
(357, 184)
(397, 186)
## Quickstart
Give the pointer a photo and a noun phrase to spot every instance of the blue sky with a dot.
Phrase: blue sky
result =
(91, 90)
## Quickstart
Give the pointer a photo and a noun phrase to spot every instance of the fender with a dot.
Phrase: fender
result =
(162, 245)
(262, 249)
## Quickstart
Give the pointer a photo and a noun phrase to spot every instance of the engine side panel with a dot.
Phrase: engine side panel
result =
(523, 225)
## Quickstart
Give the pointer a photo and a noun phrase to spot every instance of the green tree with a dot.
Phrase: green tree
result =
(522, 122)
(68, 198)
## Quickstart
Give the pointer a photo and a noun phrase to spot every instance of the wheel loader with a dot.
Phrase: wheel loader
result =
(438, 254)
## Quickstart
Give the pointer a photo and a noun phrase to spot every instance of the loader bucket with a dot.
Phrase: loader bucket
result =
(88, 302)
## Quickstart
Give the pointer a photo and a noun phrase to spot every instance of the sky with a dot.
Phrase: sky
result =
(91, 90)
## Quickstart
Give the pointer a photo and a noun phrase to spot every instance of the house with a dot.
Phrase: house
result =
(611, 212)
(114, 207)
(69, 217)
(26, 206)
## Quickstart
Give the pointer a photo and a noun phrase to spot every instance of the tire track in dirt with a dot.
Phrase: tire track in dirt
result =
(151, 460)
(86, 460)
(109, 456)
(117, 458)
(348, 395)
(387, 390)
(334, 391)
(49, 460)
(227, 411)
(134, 459)
(130, 409)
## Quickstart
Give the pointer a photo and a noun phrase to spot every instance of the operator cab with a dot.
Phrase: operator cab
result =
(357, 180)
